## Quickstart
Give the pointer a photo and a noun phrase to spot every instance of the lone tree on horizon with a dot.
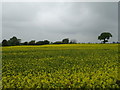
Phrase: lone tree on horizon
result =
(105, 36)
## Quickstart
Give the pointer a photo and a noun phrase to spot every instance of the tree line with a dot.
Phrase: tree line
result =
(104, 37)
(15, 41)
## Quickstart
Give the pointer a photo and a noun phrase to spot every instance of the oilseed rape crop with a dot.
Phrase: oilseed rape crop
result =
(60, 66)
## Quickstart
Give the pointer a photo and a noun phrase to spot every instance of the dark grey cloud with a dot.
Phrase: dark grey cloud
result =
(55, 21)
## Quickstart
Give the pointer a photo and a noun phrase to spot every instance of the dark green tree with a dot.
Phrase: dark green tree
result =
(25, 43)
(65, 41)
(14, 41)
(32, 42)
(104, 37)
(46, 42)
(4, 42)
(40, 43)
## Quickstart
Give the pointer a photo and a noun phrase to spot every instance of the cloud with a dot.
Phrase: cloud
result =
(55, 21)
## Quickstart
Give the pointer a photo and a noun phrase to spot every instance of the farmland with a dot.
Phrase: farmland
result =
(60, 66)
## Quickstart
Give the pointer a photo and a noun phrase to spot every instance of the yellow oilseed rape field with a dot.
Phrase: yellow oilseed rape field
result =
(60, 66)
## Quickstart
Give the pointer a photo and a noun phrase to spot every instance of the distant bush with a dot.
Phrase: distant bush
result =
(58, 42)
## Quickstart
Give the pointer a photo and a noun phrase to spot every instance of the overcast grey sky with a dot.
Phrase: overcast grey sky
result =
(55, 21)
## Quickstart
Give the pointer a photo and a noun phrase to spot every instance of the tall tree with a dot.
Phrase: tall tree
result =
(46, 42)
(14, 41)
(40, 43)
(65, 41)
(105, 36)
(32, 42)
(4, 42)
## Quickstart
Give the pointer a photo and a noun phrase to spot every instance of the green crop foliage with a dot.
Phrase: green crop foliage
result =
(60, 66)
